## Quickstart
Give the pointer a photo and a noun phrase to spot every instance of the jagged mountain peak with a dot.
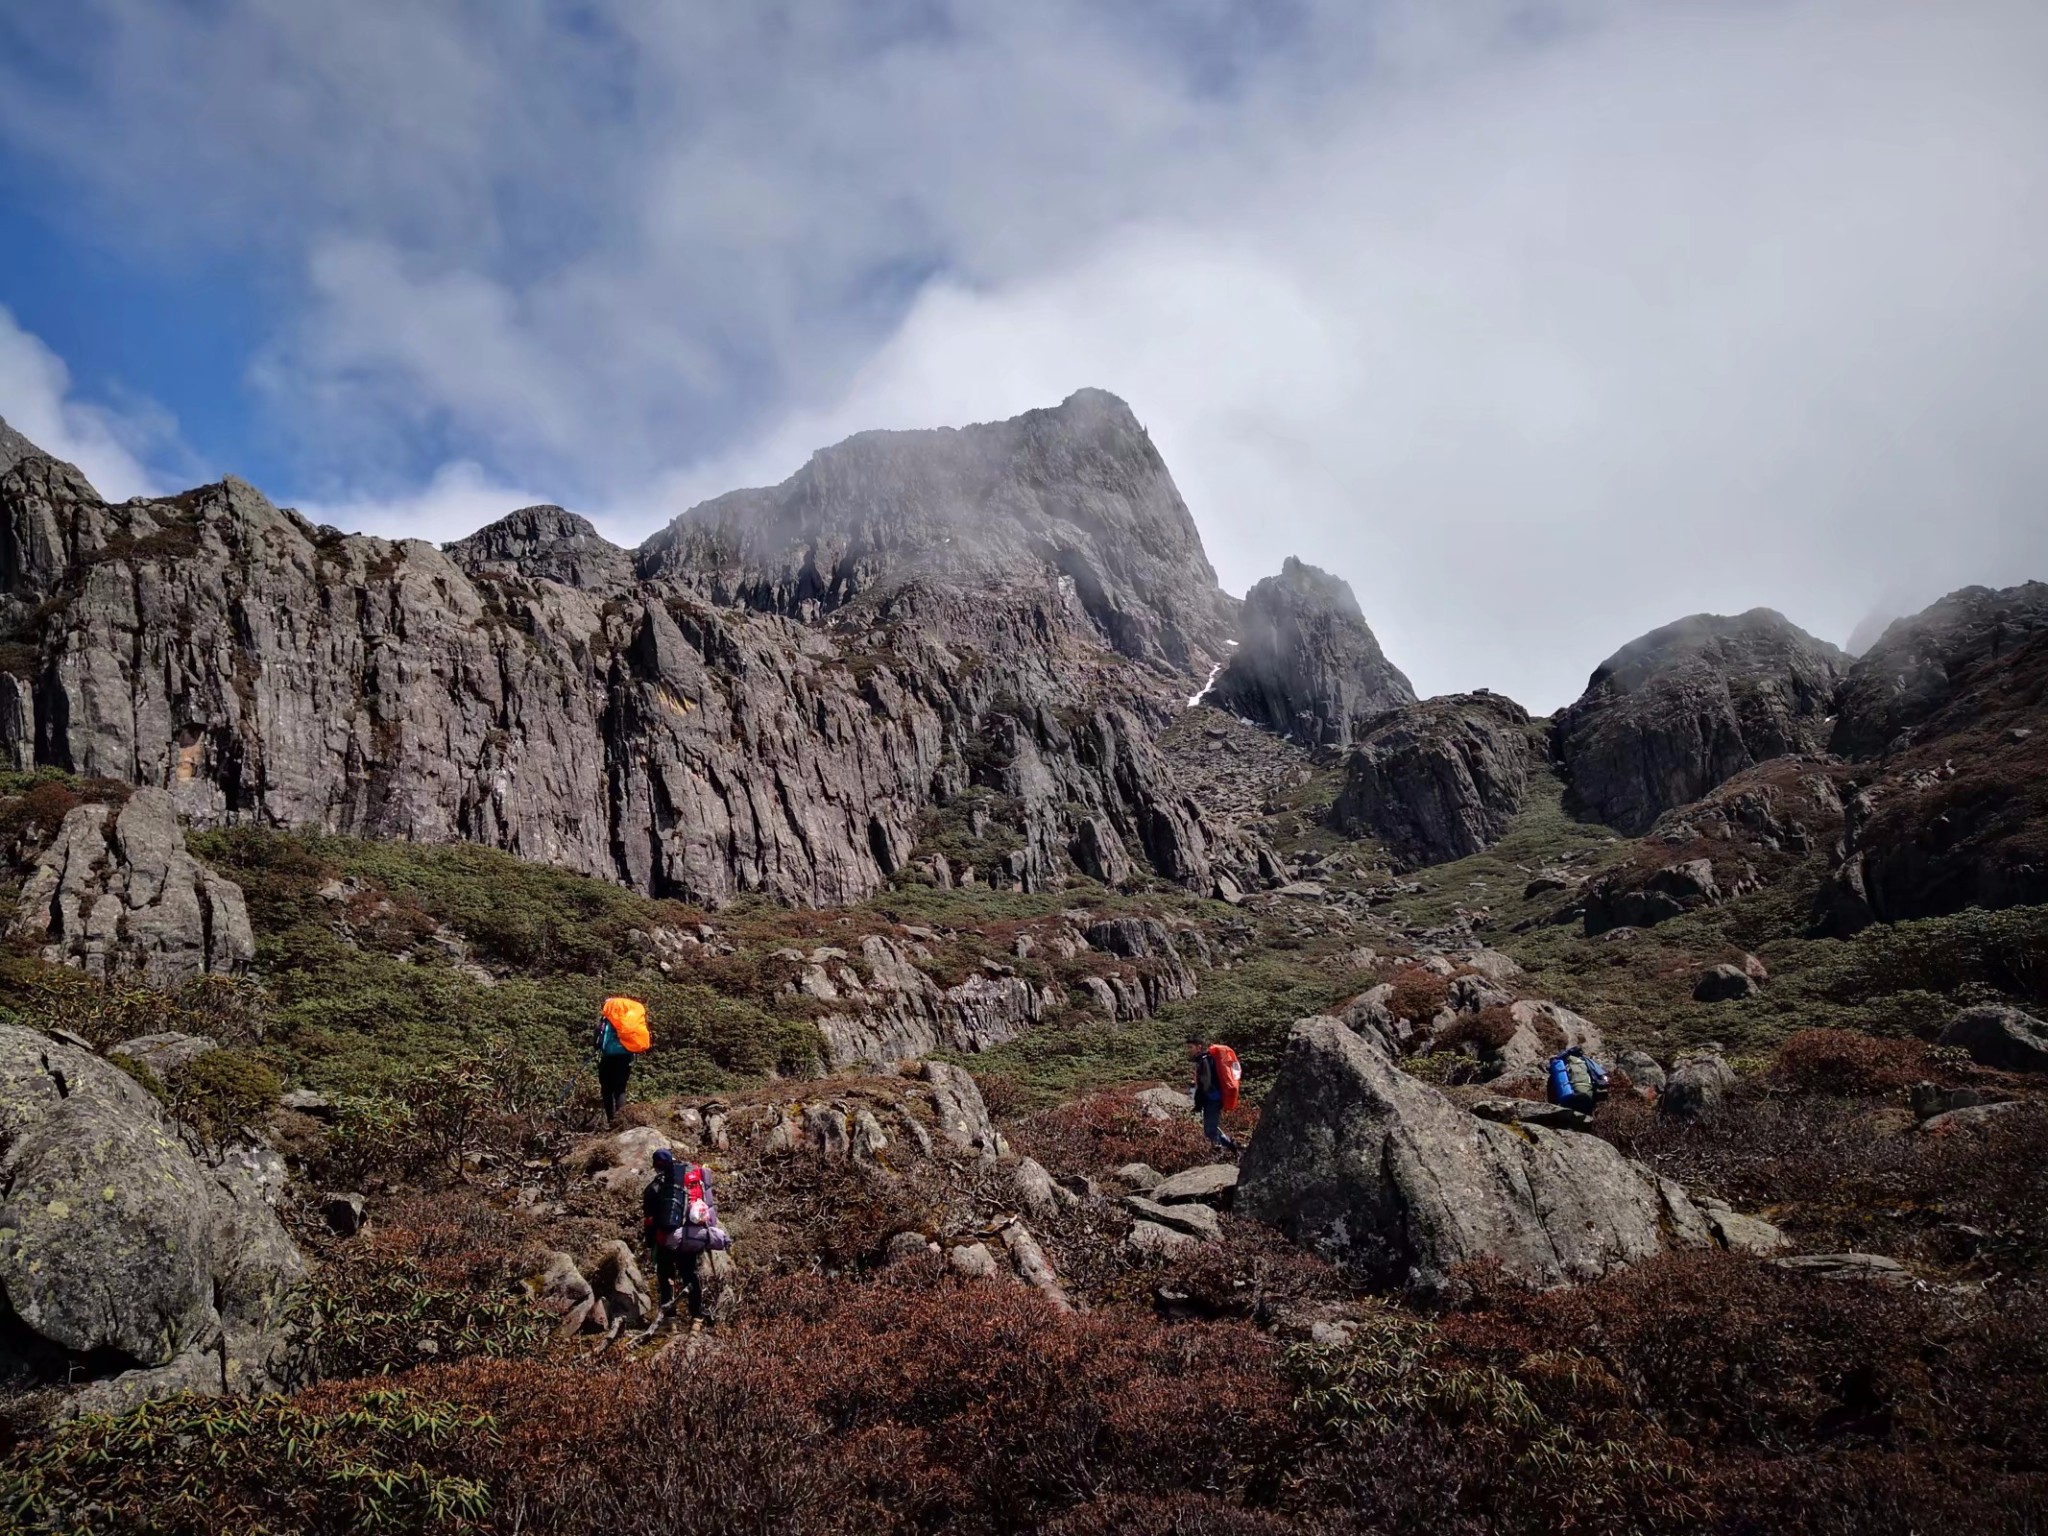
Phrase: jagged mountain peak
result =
(1074, 498)
(1707, 639)
(545, 542)
(1911, 670)
(1689, 705)
(1308, 665)
(13, 447)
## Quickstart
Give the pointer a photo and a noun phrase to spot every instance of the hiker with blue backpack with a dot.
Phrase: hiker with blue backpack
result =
(681, 1222)
(1576, 1080)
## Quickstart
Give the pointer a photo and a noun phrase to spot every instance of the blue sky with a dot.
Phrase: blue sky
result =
(1539, 321)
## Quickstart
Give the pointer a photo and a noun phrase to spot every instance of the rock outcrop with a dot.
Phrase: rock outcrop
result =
(122, 1259)
(884, 1008)
(1438, 780)
(117, 894)
(1685, 707)
(771, 696)
(1958, 816)
(1921, 664)
(544, 544)
(2004, 1038)
(1358, 1160)
(1308, 665)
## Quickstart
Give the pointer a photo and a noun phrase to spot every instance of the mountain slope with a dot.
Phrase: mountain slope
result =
(642, 717)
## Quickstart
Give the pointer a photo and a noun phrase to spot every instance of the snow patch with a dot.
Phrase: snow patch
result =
(1208, 686)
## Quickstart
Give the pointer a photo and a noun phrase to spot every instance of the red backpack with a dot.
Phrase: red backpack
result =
(1228, 1073)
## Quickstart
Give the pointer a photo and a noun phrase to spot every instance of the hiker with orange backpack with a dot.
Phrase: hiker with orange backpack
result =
(621, 1035)
(1217, 1077)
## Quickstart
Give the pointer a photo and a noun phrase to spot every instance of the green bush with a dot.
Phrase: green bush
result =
(222, 1094)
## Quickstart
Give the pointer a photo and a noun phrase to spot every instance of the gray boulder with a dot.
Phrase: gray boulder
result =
(1856, 1268)
(1142, 1177)
(1308, 665)
(1035, 1190)
(1696, 1083)
(1723, 984)
(963, 1117)
(1643, 1071)
(116, 894)
(1210, 1184)
(1555, 1117)
(1152, 1241)
(1197, 1221)
(116, 1245)
(164, 1053)
(1684, 708)
(972, 1261)
(1438, 780)
(1628, 901)
(1355, 1158)
(2004, 1038)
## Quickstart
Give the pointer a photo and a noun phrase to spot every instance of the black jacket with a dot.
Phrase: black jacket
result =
(1206, 1086)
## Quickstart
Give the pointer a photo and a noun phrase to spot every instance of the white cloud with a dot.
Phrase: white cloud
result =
(37, 401)
(1541, 324)
(1705, 313)
(461, 498)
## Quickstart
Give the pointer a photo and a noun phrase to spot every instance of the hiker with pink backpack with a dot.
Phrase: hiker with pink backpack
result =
(681, 1221)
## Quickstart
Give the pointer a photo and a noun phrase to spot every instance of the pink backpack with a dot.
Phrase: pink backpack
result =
(700, 1231)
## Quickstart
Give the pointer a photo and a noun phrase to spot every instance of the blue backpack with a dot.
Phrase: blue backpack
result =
(1574, 1075)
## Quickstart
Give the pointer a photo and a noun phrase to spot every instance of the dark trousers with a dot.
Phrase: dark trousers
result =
(667, 1266)
(612, 1072)
(1212, 1125)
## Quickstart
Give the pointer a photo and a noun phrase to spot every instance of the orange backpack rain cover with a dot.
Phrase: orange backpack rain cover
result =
(628, 1019)
(1229, 1074)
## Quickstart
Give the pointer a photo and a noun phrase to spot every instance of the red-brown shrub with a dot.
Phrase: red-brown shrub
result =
(1418, 994)
(1488, 1030)
(1847, 1064)
(1108, 1129)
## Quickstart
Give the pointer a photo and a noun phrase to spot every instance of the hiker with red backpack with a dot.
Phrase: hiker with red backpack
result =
(681, 1223)
(621, 1035)
(1217, 1078)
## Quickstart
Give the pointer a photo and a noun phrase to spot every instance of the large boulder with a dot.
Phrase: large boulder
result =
(1438, 780)
(1358, 1160)
(1678, 711)
(120, 1255)
(1998, 1037)
(1698, 1081)
(1309, 665)
(116, 894)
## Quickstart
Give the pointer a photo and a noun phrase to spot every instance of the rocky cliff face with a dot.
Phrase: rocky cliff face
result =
(1309, 665)
(1958, 818)
(1688, 706)
(1907, 677)
(1438, 780)
(771, 696)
